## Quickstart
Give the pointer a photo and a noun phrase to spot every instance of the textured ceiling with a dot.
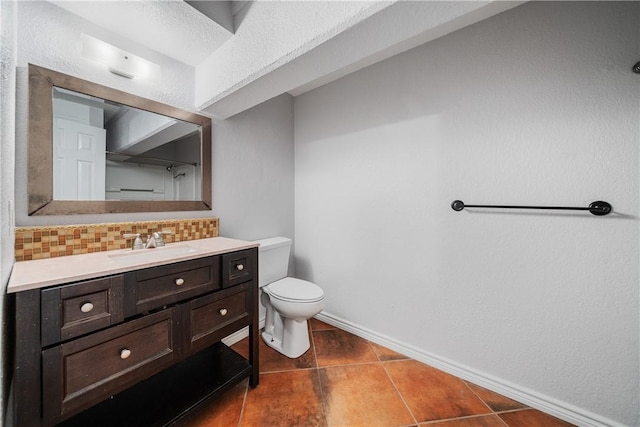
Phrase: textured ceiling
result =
(245, 52)
(171, 27)
(294, 47)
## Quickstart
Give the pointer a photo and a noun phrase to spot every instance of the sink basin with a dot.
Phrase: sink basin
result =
(162, 253)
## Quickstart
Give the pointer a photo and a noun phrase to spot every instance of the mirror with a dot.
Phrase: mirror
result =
(104, 150)
(93, 149)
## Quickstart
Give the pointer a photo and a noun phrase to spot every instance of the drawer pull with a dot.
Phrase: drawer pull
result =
(86, 307)
(223, 311)
(180, 281)
(239, 267)
(125, 353)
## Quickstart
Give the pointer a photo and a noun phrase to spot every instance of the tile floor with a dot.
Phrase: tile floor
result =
(344, 380)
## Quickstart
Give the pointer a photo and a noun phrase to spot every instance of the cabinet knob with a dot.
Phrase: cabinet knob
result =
(239, 267)
(86, 307)
(223, 311)
(125, 353)
(180, 281)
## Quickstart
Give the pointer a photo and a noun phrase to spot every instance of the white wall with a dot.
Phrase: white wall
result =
(49, 36)
(253, 174)
(536, 106)
(253, 156)
(7, 174)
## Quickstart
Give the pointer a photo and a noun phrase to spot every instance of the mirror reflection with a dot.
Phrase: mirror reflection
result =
(141, 155)
(104, 150)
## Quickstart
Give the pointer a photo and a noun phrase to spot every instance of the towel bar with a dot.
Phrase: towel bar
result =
(598, 208)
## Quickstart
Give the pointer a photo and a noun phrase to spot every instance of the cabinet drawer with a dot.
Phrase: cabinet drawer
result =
(211, 318)
(238, 267)
(83, 372)
(160, 286)
(73, 310)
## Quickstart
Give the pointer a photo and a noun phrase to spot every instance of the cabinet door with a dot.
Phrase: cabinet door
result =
(83, 372)
(156, 287)
(239, 267)
(210, 318)
(72, 310)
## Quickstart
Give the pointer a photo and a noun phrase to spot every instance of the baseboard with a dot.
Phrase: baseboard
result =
(240, 334)
(549, 405)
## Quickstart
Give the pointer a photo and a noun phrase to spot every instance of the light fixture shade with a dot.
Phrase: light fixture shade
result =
(119, 61)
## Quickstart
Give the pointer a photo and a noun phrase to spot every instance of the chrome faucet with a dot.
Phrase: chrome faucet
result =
(156, 240)
(151, 241)
(137, 243)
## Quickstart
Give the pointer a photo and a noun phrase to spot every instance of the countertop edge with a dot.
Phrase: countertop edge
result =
(41, 273)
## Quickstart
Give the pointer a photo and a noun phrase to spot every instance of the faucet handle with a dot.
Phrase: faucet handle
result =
(137, 243)
(158, 236)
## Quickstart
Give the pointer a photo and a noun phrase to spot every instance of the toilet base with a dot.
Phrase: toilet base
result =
(295, 337)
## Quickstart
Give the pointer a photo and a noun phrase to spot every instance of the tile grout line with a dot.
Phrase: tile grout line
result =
(396, 388)
(244, 402)
(313, 344)
(317, 368)
(496, 413)
(374, 351)
(377, 361)
(492, 412)
(480, 398)
(322, 399)
(349, 364)
(288, 370)
(466, 417)
(508, 411)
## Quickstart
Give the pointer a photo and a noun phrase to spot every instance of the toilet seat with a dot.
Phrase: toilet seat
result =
(295, 290)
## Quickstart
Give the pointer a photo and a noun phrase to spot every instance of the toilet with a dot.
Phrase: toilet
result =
(289, 302)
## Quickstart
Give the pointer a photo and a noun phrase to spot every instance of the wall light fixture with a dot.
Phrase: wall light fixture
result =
(119, 61)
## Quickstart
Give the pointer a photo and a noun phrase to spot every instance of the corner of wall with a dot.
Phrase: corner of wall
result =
(8, 53)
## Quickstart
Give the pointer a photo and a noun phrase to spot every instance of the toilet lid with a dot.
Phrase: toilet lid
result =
(291, 289)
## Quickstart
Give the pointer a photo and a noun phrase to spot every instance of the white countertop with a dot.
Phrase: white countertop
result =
(55, 271)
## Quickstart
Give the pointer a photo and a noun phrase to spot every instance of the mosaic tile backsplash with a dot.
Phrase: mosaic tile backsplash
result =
(56, 241)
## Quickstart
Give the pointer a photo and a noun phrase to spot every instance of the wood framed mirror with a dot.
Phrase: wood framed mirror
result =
(155, 157)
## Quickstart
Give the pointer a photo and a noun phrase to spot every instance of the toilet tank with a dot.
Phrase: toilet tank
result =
(273, 259)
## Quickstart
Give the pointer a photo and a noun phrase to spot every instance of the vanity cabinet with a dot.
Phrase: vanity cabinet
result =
(138, 348)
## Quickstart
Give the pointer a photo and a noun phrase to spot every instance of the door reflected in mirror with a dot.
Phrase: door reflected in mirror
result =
(104, 150)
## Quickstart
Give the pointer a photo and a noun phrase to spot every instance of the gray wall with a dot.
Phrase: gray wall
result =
(534, 106)
(7, 173)
(253, 171)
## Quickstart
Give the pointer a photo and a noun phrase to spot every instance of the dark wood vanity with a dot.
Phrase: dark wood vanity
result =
(137, 348)
(134, 340)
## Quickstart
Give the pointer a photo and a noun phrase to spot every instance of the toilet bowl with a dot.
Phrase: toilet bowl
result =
(289, 302)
